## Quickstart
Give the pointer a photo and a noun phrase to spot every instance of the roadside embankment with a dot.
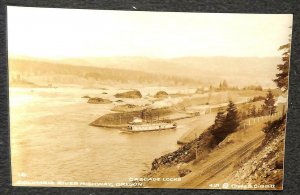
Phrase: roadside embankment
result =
(265, 164)
(227, 161)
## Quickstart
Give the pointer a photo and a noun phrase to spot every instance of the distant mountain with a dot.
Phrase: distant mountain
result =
(238, 71)
(61, 72)
(211, 70)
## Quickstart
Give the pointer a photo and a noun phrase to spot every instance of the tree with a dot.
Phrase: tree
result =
(232, 119)
(143, 114)
(225, 123)
(269, 104)
(220, 86)
(253, 111)
(220, 118)
(225, 85)
(283, 75)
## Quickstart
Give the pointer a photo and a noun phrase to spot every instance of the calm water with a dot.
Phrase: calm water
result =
(52, 141)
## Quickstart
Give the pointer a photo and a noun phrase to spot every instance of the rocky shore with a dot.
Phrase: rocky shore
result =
(128, 108)
(97, 100)
(123, 118)
(186, 153)
(129, 94)
(161, 94)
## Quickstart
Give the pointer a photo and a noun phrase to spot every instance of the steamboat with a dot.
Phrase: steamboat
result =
(138, 125)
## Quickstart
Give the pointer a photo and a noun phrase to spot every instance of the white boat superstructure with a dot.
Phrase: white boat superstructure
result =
(138, 125)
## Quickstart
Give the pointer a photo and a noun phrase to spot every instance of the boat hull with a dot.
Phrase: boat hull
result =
(150, 127)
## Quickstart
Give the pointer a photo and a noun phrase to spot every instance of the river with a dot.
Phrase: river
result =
(51, 139)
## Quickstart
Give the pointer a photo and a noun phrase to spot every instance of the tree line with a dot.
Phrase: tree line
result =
(227, 120)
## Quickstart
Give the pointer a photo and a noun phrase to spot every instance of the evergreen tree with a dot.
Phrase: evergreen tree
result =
(220, 118)
(225, 123)
(282, 77)
(143, 114)
(225, 85)
(253, 111)
(232, 119)
(269, 103)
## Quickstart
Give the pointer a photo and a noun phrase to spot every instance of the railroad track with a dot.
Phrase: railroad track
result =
(209, 171)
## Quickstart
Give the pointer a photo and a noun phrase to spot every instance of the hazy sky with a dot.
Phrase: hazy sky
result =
(58, 33)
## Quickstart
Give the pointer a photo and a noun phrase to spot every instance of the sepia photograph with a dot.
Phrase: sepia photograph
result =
(140, 99)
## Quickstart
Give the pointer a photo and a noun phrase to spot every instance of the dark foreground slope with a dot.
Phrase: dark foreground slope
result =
(251, 156)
